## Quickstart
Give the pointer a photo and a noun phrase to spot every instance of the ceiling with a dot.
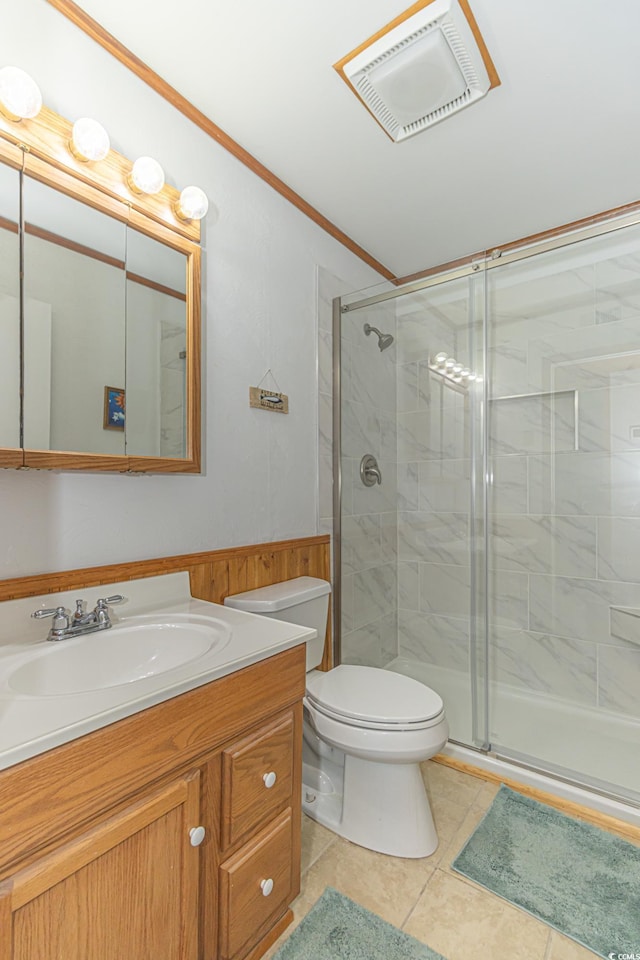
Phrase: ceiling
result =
(557, 141)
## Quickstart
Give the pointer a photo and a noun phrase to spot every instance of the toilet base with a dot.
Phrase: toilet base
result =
(387, 808)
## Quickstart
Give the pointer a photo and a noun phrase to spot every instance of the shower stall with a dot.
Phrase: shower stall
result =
(498, 560)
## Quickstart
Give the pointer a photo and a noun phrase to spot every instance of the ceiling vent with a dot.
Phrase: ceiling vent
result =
(421, 68)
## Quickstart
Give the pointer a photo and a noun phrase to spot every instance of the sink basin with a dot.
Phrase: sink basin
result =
(128, 652)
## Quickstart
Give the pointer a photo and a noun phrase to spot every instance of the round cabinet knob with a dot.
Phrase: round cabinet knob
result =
(196, 836)
(267, 887)
(269, 779)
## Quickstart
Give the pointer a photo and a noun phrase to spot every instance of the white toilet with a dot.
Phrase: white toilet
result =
(365, 732)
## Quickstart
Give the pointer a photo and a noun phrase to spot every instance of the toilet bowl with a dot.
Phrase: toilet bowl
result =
(366, 730)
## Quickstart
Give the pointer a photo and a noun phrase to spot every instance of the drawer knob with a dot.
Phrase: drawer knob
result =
(269, 779)
(267, 887)
(196, 836)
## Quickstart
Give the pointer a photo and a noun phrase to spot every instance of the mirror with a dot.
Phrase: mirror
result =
(74, 321)
(109, 330)
(9, 308)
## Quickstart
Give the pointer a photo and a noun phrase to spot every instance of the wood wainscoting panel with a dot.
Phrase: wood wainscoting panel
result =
(214, 574)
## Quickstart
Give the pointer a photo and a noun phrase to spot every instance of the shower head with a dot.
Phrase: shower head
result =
(384, 339)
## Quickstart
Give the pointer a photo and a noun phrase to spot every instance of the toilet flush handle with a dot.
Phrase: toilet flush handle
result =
(269, 779)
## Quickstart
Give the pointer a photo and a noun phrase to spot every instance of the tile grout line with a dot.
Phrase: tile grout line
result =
(437, 867)
(313, 862)
(418, 898)
(547, 953)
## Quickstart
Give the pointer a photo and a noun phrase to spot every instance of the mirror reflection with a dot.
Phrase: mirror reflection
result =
(156, 341)
(105, 321)
(9, 307)
(74, 323)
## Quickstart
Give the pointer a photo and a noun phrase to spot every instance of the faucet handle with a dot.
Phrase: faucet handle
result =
(102, 608)
(61, 621)
(107, 601)
(51, 612)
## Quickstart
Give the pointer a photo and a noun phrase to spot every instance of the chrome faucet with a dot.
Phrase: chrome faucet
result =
(65, 625)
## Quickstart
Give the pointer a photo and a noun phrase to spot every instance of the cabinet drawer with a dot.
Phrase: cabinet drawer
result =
(255, 887)
(257, 778)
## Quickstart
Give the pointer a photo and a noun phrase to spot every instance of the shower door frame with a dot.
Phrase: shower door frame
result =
(489, 260)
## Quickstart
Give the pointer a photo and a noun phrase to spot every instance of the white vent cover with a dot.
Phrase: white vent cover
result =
(421, 71)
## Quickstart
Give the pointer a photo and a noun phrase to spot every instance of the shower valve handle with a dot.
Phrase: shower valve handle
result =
(370, 472)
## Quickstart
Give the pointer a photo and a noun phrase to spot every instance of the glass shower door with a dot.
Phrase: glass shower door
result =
(564, 498)
(441, 628)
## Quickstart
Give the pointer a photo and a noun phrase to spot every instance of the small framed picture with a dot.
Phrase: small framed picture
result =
(114, 408)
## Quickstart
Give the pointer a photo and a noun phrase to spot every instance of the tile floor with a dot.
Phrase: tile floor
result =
(426, 898)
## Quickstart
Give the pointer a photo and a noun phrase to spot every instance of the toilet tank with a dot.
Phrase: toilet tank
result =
(304, 601)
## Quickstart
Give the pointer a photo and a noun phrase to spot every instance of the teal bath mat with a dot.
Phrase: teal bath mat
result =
(577, 878)
(336, 928)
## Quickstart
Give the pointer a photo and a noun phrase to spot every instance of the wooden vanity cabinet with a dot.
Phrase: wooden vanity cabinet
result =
(97, 860)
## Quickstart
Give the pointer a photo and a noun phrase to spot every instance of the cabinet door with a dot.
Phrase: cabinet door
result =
(127, 888)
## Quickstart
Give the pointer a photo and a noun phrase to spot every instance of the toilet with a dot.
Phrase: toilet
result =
(366, 730)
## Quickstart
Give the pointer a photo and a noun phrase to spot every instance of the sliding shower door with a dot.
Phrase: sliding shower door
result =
(498, 558)
(564, 526)
(412, 546)
(441, 624)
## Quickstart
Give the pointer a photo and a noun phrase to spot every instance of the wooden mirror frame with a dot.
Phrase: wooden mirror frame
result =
(39, 148)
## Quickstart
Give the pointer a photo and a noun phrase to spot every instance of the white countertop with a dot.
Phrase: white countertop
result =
(29, 724)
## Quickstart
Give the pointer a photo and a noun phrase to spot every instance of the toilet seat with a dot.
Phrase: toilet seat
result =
(373, 698)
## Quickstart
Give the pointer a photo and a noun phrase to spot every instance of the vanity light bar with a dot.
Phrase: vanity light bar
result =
(452, 371)
(88, 143)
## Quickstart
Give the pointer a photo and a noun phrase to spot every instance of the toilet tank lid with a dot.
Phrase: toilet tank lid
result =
(279, 596)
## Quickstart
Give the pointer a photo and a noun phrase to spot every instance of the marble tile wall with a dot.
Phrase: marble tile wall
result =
(565, 468)
(369, 514)
(434, 481)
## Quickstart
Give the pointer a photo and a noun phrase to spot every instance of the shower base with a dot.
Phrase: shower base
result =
(563, 748)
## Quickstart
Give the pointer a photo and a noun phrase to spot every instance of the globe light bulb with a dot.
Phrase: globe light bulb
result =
(20, 97)
(89, 140)
(147, 176)
(440, 358)
(193, 204)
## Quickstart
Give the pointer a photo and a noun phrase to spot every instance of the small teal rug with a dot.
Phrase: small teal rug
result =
(575, 877)
(336, 928)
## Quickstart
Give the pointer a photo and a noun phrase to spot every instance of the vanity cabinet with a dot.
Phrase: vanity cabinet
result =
(98, 855)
